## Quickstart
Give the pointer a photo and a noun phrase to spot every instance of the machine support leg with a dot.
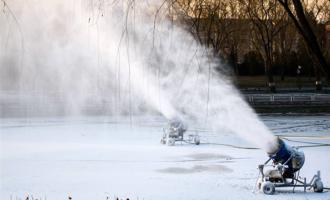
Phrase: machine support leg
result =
(319, 174)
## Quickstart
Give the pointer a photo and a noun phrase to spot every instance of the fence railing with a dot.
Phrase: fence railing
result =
(288, 99)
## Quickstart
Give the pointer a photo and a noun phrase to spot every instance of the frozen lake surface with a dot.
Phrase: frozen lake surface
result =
(98, 157)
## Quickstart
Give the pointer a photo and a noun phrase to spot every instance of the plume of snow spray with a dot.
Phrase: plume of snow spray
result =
(123, 57)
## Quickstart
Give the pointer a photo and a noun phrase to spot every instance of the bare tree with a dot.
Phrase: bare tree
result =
(268, 20)
(222, 25)
(286, 48)
(215, 24)
(296, 11)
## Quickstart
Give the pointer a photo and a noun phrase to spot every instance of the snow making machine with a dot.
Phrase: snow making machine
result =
(284, 171)
(176, 132)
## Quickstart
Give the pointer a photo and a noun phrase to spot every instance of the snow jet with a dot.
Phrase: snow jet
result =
(77, 57)
(117, 58)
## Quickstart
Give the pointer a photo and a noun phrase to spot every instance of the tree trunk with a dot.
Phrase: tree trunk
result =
(307, 33)
(311, 37)
(284, 64)
(269, 74)
(318, 77)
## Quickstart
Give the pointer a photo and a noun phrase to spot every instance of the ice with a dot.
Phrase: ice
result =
(96, 157)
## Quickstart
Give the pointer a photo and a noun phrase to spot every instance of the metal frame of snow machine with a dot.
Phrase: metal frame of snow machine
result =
(175, 132)
(277, 177)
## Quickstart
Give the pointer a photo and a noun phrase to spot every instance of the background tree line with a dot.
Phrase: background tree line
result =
(262, 37)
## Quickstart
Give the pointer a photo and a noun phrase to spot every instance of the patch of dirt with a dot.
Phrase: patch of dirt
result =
(209, 156)
(196, 169)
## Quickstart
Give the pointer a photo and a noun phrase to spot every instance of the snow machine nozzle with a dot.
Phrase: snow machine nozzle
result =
(288, 156)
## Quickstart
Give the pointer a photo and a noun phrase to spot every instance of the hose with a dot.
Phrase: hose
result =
(313, 144)
(255, 148)
(231, 145)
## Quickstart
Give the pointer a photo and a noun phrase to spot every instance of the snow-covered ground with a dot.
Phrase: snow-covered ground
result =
(94, 158)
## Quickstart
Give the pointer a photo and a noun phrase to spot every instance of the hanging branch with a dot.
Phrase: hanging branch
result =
(7, 7)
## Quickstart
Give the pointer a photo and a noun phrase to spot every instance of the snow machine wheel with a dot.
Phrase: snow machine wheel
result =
(162, 141)
(268, 188)
(259, 183)
(171, 142)
(318, 186)
(197, 141)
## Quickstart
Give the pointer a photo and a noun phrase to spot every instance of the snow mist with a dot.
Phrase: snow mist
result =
(63, 57)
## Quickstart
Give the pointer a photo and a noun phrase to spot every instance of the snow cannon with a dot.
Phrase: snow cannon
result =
(284, 170)
(287, 156)
(175, 132)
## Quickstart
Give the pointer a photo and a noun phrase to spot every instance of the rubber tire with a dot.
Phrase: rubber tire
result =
(268, 188)
(197, 141)
(318, 186)
(163, 141)
(171, 142)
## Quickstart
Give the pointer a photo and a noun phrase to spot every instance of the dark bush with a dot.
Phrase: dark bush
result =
(253, 64)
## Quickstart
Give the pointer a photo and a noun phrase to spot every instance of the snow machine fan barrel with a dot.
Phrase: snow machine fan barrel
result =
(289, 156)
(176, 127)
